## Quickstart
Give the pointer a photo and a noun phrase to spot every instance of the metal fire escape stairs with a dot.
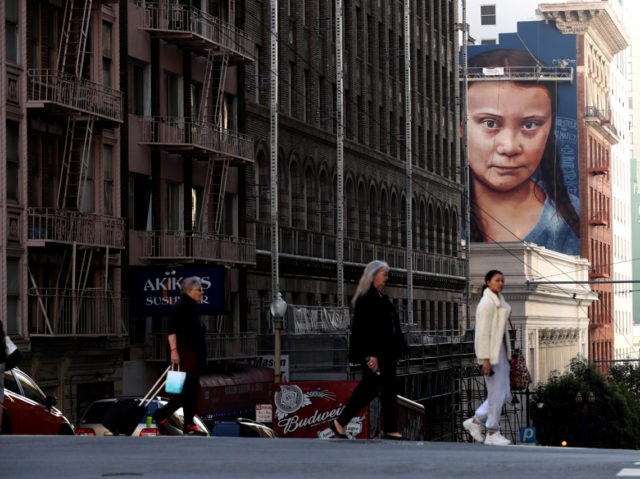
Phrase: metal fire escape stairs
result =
(76, 265)
(79, 134)
(217, 169)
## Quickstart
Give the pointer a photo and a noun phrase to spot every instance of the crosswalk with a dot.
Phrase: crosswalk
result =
(630, 471)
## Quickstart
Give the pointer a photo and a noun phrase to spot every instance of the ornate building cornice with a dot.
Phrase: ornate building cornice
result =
(595, 18)
(558, 336)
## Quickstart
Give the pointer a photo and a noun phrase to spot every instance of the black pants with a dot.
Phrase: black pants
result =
(367, 390)
(187, 399)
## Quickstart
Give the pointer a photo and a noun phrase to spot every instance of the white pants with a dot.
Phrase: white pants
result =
(498, 391)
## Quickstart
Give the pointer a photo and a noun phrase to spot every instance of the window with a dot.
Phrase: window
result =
(139, 87)
(107, 55)
(107, 165)
(174, 96)
(13, 159)
(174, 207)
(197, 195)
(488, 41)
(197, 90)
(11, 29)
(86, 201)
(13, 295)
(139, 202)
(487, 15)
(229, 112)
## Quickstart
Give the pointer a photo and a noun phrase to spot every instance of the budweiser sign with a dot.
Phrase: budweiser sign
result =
(305, 409)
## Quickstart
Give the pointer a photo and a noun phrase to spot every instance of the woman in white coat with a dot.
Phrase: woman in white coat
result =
(493, 350)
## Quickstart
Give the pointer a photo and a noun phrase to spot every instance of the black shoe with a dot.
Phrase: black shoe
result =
(393, 438)
(334, 429)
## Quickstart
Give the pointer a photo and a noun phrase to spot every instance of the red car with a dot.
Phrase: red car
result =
(27, 410)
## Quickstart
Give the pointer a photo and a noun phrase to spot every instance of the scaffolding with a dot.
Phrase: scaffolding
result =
(536, 74)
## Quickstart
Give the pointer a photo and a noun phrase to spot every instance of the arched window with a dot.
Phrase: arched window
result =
(431, 226)
(351, 210)
(363, 214)
(374, 216)
(422, 226)
(296, 192)
(311, 199)
(384, 218)
(327, 204)
(284, 212)
(394, 224)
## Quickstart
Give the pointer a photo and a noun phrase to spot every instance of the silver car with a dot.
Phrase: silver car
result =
(91, 422)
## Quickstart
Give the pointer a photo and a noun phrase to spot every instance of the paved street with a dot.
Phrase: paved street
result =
(190, 457)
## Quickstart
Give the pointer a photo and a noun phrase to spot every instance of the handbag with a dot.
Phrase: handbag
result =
(175, 381)
(14, 355)
(519, 375)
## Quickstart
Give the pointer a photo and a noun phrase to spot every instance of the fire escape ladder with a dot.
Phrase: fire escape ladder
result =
(221, 188)
(206, 88)
(203, 221)
(219, 77)
(73, 38)
(75, 162)
(214, 191)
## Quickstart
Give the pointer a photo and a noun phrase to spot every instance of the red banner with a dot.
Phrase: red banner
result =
(305, 409)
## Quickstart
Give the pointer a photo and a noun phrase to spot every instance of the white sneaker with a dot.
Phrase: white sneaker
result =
(474, 429)
(496, 439)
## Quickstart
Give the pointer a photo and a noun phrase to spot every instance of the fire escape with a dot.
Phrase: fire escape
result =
(73, 306)
(203, 136)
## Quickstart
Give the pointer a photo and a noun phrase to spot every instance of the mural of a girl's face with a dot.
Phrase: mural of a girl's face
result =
(508, 127)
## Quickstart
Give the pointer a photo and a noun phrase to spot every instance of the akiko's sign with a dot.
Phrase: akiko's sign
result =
(156, 290)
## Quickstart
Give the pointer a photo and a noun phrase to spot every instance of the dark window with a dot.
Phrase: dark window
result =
(487, 15)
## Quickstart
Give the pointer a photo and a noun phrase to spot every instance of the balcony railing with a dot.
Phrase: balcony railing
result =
(78, 94)
(179, 134)
(69, 227)
(191, 245)
(219, 346)
(310, 244)
(302, 319)
(601, 119)
(172, 21)
(61, 312)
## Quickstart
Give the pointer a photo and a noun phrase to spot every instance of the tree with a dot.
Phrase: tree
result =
(585, 408)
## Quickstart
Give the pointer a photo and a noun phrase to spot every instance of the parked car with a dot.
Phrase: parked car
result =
(241, 427)
(27, 410)
(91, 422)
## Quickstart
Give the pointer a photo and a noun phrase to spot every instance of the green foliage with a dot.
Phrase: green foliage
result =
(585, 408)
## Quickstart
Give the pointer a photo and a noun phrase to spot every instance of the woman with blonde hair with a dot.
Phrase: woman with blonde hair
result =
(376, 343)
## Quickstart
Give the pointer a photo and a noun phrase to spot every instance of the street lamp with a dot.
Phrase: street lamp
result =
(585, 409)
(278, 308)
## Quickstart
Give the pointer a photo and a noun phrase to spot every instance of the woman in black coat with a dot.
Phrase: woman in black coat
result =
(376, 343)
(188, 349)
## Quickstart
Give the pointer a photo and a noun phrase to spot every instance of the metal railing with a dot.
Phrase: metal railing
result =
(301, 319)
(66, 226)
(91, 312)
(63, 89)
(603, 118)
(182, 132)
(193, 244)
(177, 18)
(219, 346)
(313, 244)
